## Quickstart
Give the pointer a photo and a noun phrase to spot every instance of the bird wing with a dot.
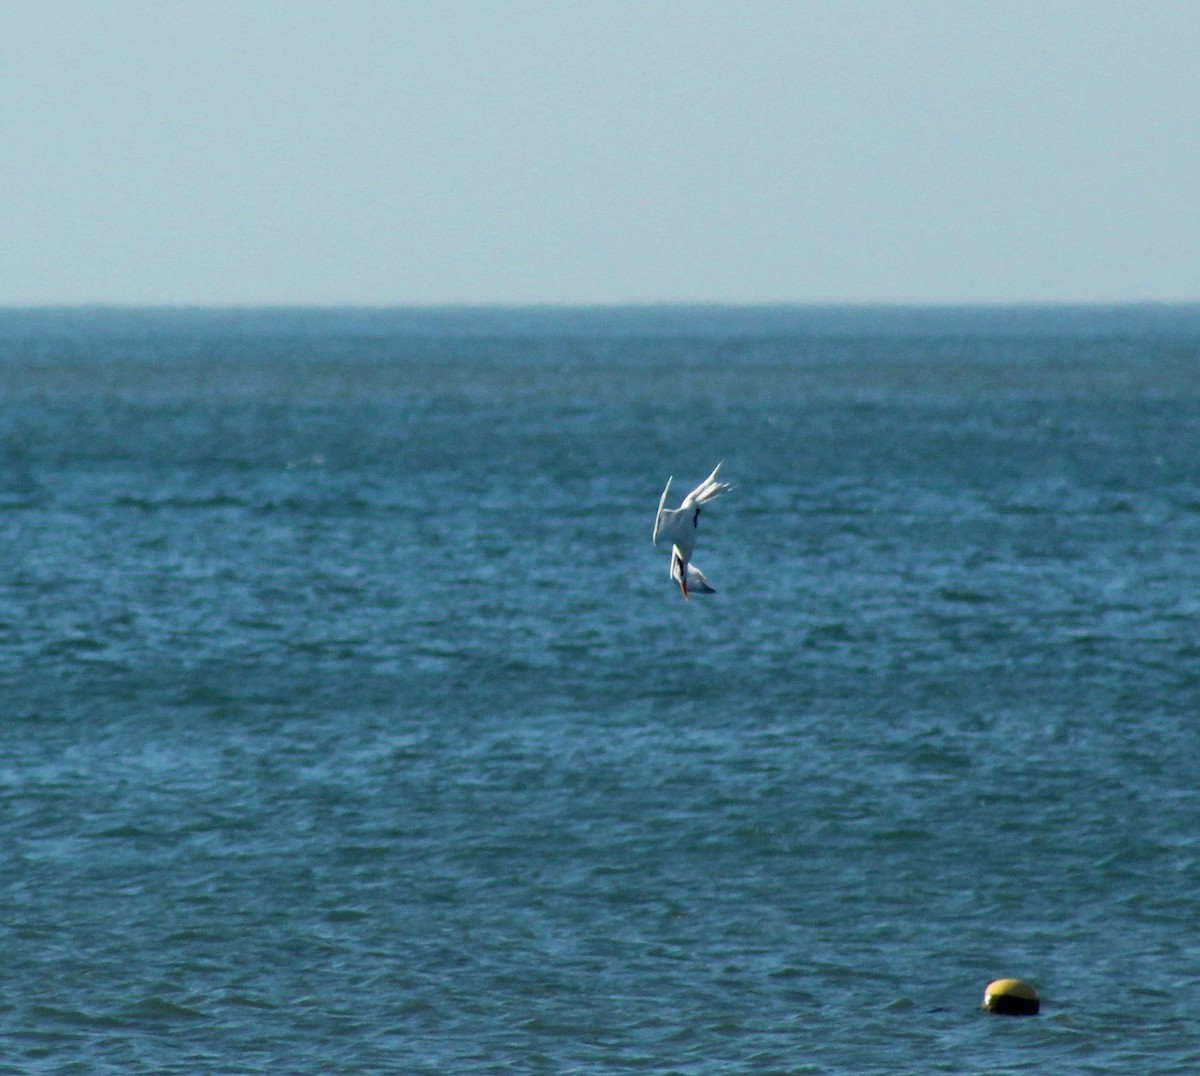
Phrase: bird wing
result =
(697, 583)
(658, 518)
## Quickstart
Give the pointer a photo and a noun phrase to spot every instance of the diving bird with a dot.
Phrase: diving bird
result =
(677, 527)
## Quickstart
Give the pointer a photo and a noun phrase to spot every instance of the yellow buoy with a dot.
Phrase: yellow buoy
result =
(1011, 997)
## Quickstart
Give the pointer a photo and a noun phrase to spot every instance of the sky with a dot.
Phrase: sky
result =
(596, 151)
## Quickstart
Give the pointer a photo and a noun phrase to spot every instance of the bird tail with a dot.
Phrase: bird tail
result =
(708, 489)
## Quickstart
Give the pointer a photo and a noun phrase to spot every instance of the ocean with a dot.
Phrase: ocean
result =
(350, 722)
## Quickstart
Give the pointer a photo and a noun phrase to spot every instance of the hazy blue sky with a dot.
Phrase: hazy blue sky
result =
(353, 152)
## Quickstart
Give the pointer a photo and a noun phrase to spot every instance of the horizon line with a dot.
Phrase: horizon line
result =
(603, 305)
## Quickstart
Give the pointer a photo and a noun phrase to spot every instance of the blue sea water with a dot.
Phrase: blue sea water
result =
(349, 721)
